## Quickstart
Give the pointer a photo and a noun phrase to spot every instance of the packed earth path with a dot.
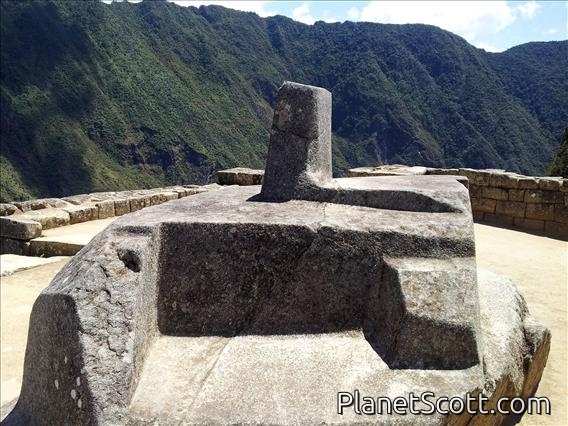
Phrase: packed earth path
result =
(538, 266)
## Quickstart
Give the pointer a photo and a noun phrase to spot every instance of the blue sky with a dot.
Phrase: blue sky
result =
(491, 25)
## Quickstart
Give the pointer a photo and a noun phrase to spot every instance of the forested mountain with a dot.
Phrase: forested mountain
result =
(108, 97)
(559, 166)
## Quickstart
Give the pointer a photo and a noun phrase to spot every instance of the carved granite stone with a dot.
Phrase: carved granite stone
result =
(250, 306)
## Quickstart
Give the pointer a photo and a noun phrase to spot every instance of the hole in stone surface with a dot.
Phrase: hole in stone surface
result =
(130, 259)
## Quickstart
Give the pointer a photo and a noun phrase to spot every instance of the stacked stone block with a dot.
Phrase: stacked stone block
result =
(240, 176)
(502, 198)
(20, 222)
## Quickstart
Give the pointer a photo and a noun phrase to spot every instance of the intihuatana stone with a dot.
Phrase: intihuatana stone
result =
(299, 152)
(299, 163)
(168, 315)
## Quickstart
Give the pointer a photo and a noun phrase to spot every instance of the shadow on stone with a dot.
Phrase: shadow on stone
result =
(220, 309)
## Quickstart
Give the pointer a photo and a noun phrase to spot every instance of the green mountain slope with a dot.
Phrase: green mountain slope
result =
(559, 166)
(537, 74)
(100, 97)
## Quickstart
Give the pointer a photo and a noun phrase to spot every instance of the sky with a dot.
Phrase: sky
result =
(491, 25)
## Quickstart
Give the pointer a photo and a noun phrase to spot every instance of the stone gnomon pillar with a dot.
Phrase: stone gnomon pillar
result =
(228, 307)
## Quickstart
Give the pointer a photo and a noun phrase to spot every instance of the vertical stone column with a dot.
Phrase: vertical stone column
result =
(299, 154)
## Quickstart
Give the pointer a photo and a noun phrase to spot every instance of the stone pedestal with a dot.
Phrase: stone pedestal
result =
(250, 306)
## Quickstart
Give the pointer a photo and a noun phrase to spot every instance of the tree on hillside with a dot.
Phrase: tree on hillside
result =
(559, 166)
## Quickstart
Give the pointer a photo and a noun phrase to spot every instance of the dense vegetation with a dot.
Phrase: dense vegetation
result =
(559, 166)
(97, 96)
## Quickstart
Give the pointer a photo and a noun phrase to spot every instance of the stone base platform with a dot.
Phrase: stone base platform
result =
(291, 379)
(295, 379)
(220, 308)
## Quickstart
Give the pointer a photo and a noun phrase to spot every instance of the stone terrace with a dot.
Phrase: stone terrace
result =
(22, 223)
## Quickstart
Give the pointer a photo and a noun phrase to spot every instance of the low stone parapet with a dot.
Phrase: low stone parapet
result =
(510, 199)
(387, 170)
(21, 222)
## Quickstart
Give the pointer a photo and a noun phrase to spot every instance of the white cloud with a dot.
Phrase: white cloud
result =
(353, 14)
(466, 18)
(528, 9)
(552, 31)
(302, 14)
(327, 18)
(487, 47)
(259, 7)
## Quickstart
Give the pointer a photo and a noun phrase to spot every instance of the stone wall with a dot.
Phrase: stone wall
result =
(22, 222)
(503, 198)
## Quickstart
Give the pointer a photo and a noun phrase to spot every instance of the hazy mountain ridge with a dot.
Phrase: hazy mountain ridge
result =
(98, 97)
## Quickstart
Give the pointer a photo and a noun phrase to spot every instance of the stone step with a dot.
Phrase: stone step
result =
(425, 313)
(270, 379)
(67, 240)
(12, 263)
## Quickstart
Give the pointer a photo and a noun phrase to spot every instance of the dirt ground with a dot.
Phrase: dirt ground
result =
(17, 295)
(538, 265)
